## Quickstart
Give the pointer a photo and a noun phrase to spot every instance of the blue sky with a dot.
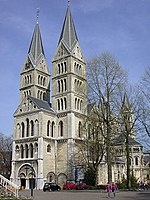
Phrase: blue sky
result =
(121, 27)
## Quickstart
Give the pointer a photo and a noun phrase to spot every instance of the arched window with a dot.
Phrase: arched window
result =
(17, 149)
(48, 128)
(35, 147)
(49, 148)
(52, 132)
(27, 124)
(30, 79)
(39, 79)
(21, 151)
(136, 161)
(26, 151)
(65, 84)
(44, 96)
(65, 103)
(62, 89)
(78, 104)
(44, 81)
(75, 103)
(38, 94)
(25, 80)
(65, 64)
(81, 105)
(59, 68)
(58, 86)
(61, 128)
(22, 129)
(79, 129)
(31, 150)
(58, 103)
(32, 127)
(61, 104)
(36, 127)
(62, 70)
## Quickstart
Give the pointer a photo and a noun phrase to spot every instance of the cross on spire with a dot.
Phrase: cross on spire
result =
(68, 2)
(37, 15)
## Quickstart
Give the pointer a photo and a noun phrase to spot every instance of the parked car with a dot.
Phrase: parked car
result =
(69, 186)
(51, 187)
(81, 186)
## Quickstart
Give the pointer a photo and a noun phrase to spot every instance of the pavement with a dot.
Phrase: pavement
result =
(86, 195)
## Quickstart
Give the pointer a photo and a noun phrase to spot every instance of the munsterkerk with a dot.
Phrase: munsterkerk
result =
(46, 133)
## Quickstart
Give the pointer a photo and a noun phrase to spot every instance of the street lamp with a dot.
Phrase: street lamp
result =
(32, 180)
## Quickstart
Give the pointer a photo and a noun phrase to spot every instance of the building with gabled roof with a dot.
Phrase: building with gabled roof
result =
(45, 133)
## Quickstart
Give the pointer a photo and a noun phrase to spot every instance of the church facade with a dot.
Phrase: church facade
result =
(45, 133)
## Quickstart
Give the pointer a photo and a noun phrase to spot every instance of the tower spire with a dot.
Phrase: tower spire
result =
(68, 34)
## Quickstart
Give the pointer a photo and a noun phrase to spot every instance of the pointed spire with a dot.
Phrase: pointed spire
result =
(68, 35)
(36, 51)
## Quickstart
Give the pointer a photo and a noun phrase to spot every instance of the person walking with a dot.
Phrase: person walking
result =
(114, 188)
(108, 189)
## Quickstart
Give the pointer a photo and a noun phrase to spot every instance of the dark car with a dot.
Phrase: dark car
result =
(51, 187)
(69, 186)
(81, 186)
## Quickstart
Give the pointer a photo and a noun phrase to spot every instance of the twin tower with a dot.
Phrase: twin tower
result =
(46, 133)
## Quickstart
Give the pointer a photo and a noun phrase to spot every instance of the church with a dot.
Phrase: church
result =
(45, 133)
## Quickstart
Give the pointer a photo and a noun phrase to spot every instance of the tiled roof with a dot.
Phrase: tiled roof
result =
(121, 140)
(42, 104)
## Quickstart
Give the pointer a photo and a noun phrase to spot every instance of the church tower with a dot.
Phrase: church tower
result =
(69, 98)
(33, 147)
(35, 76)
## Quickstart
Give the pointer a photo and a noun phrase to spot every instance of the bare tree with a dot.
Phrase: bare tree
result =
(5, 154)
(106, 79)
(144, 89)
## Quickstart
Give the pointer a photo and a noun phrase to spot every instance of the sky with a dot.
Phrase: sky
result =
(121, 27)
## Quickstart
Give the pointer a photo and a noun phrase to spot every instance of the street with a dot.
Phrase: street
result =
(85, 195)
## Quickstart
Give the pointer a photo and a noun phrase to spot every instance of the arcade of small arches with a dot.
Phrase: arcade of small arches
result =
(62, 104)
(77, 85)
(134, 161)
(27, 80)
(27, 128)
(62, 67)
(26, 150)
(78, 104)
(62, 85)
(51, 128)
(41, 95)
(77, 68)
(41, 80)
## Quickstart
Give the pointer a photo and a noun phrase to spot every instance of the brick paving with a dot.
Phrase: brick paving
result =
(86, 195)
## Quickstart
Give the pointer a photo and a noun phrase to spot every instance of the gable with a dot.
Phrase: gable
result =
(31, 104)
(61, 52)
(26, 105)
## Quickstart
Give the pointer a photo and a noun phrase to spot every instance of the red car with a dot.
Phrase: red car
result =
(69, 186)
(81, 186)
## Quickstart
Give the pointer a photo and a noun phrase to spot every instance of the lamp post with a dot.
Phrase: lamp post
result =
(32, 185)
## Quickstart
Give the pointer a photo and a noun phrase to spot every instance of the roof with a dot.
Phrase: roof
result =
(36, 51)
(121, 139)
(68, 34)
(42, 104)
